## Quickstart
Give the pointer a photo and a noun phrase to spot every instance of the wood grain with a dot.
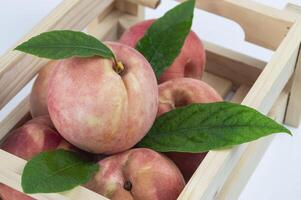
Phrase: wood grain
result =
(263, 25)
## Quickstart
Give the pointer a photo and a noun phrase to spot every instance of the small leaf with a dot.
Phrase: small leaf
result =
(56, 171)
(61, 44)
(203, 127)
(164, 39)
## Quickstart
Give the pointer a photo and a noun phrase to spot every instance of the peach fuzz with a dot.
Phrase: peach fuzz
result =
(138, 174)
(98, 109)
(8, 193)
(189, 63)
(32, 138)
(181, 92)
(39, 92)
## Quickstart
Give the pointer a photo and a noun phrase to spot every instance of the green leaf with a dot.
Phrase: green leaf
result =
(164, 39)
(61, 44)
(56, 171)
(203, 127)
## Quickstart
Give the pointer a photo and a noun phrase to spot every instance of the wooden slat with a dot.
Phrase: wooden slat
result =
(13, 118)
(234, 66)
(107, 28)
(10, 173)
(240, 94)
(125, 22)
(17, 68)
(251, 157)
(221, 85)
(293, 115)
(147, 3)
(217, 165)
(129, 8)
(293, 8)
(263, 25)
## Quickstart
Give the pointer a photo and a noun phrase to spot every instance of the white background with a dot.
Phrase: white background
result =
(278, 176)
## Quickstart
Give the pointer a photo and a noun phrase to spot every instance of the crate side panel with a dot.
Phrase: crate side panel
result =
(16, 68)
(263, 25)
(293, 114)
(212, 174)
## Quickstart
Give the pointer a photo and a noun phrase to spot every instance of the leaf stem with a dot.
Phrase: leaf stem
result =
(117, 66)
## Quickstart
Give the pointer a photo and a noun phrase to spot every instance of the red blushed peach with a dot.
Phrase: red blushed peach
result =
(138, 174)
(189, 63)
(181, 92)
(8, 193)
(98, 109)
(39, 92)
(34, 137)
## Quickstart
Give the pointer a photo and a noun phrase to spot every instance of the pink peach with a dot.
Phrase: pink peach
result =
(39, 92)
(138, 174)
(32, 138)
(8, 193)
(189, 63)
(99, 110)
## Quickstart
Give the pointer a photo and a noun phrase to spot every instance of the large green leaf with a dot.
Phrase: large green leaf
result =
(203, 127)
(61, 44)
(56, 171)
(164, 39)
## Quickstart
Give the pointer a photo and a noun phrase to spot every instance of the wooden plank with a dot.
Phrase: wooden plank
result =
(129, 7)
(217, 165)
(293, 8)
(10, 173)
(240, 94)
(107, 28)
(147, 3)
(263, 25)
(125, 22)
(293, 114)
(231, 65)
(221, 85)
(16, 68)
(251, 157)
(13, 118)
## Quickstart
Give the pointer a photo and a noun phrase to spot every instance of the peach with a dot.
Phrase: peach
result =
(39, 92)
(181, 92)
(99, 110)
(189, 63)
(8, 193)
(137, 174)
(34, 137)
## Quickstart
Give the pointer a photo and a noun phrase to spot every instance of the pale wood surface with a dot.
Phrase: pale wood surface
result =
(249, 160)
(221, 85)
(16, 68)
(217, 165)
(147, 3)
(263, 25)
(107, 28)
(10, 173)
(293, 115)
(234, 66)
(14, 117)
(125, 22)
(240, 94)
(128, 7)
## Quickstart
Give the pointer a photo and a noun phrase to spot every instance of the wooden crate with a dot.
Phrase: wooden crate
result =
(271, 88)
